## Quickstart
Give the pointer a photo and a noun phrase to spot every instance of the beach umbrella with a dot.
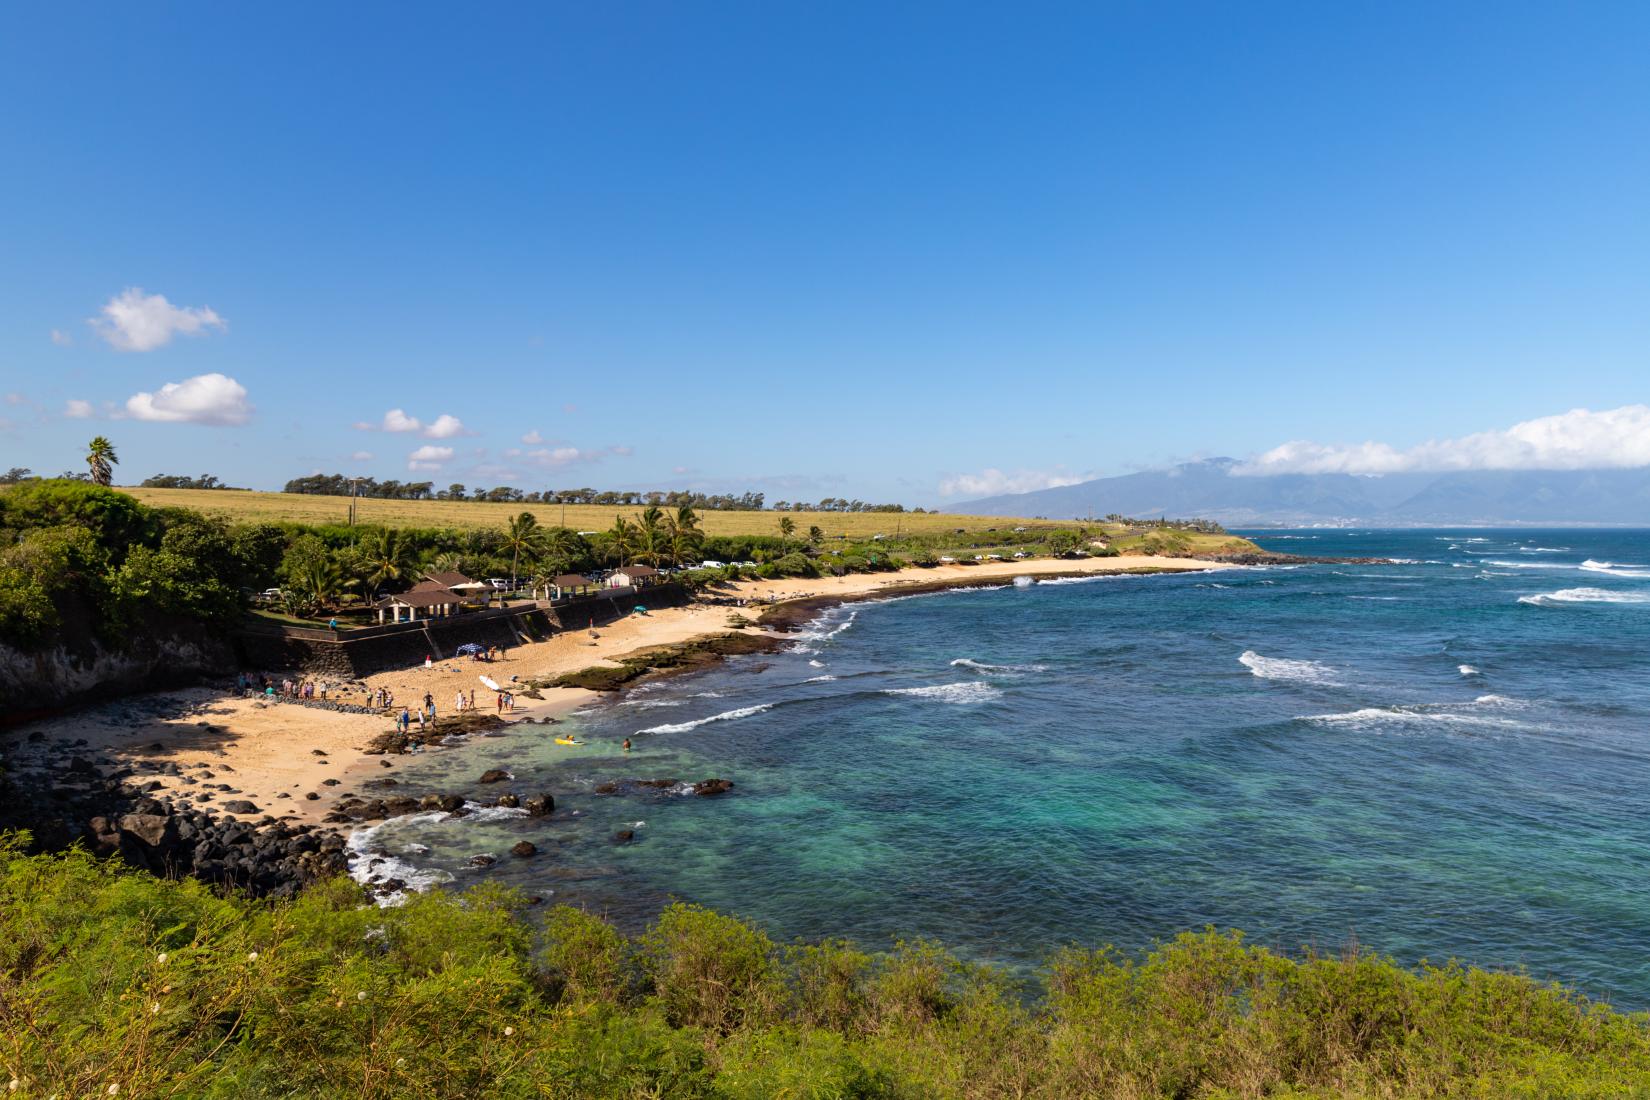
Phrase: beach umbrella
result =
(470, 649)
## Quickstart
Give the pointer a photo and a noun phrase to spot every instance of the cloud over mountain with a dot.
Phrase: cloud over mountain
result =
(1577, 440)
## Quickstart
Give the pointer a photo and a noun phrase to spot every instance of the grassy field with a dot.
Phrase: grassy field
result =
(256, 507)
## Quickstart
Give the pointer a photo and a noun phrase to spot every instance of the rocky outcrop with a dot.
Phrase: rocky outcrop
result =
(81, 668)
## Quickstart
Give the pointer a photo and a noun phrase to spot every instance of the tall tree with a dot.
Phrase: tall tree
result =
(787, 527)
(524, 538)
(386, 557)
(100, 456)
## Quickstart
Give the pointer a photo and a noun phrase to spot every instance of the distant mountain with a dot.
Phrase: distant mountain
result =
(1209, 490)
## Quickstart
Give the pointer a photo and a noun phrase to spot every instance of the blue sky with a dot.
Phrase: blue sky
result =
(833, 249)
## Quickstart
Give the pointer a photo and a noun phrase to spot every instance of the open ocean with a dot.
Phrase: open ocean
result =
(1448, 757)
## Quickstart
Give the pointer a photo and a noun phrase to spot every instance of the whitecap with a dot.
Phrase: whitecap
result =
(1612, 569)
(1281, 668)
(819, 679)
(1528, 564)
(981, 666)
(1425, 715)
(1583, 595)
(725, 716)
(1468, 670)
(816, 664)
(972, 692)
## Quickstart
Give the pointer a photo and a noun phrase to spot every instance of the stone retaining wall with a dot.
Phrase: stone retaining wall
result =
(347, 655)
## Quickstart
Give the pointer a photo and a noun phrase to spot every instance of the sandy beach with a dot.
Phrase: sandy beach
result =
(216, 748)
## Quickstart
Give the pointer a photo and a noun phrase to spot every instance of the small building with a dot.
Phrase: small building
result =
(431, 599)
(632, 576)
(567, 585)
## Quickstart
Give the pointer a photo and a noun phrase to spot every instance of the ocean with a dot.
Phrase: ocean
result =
(1443, 758)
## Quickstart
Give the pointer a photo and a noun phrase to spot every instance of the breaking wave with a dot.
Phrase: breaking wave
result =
(981, 666)
(1583, 595)
(1423, 716)
(1281, 668)
(725, 716)
(1610, 568)
(971, 692)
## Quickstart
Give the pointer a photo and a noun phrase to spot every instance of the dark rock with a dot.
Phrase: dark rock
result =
(239, 806)
(509, 801)
(79, 765)
(312, 797)
(609, 787)
(707, 787)
(540, 806)
(317, 752)
(524, 848)
(494, 775)
(329, 782)
(155, 830)
(624, 836)
(452, 803)
(483, 861)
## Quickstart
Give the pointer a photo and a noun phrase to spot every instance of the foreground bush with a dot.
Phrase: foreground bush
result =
(115, 983)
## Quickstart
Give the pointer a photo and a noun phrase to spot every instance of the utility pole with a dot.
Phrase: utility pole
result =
(354, 486)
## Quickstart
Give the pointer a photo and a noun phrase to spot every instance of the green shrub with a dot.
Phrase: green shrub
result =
(109, 977)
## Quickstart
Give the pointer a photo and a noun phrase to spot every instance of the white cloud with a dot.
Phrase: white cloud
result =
(204, 399)
(15, 398)
(361, 456)
(1577, 440)
(77, 409)
(61, 338)
(429, 457)
(444, 427)
(135, 321)
(532, 438)
(992, 482)
(398, 421)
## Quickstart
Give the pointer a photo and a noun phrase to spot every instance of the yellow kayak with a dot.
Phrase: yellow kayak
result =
(567, 741)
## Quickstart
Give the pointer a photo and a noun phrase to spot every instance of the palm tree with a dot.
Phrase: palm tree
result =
(386, 557)
(787, 527)
(816, 535)
(523, 537)
(623, 536)
(100, 456)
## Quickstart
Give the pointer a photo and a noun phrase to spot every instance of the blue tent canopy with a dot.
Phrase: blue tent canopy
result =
(470, 649)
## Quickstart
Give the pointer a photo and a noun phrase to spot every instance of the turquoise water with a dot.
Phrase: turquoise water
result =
(1448, 757)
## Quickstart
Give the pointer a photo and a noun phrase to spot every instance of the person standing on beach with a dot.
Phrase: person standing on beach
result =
(403, 720)
(501, 702)
(471, 705)
(458, 702)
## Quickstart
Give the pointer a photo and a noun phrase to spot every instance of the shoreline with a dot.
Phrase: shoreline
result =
(259, 765)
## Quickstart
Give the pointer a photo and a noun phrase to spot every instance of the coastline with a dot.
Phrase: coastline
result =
(214, 751)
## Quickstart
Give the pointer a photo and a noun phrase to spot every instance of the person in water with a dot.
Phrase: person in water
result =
(627, 744)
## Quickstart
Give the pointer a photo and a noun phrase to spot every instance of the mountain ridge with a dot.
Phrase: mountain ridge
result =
(1208, 489)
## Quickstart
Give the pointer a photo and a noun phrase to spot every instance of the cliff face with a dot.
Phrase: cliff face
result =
(78, 668)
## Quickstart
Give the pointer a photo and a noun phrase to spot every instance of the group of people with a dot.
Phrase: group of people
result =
(463, 702)
(423, 715)
(286, 687)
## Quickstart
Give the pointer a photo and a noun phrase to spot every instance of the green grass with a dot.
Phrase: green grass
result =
(115, 983)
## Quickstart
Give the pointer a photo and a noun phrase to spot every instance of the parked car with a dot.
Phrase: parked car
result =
(270, 595)
(707, 564)
(498, 584)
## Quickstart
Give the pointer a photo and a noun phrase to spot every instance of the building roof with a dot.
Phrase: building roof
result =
(449, 579)
(637, 570)
(571, 580)
(422, 597)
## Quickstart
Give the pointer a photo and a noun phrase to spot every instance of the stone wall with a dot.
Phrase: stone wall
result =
(351, 654)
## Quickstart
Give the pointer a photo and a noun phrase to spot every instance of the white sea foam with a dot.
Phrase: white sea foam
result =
(816, 664)
(819, 679)
(981, 666)
(1468, 670)
(1543, 549)
(1528, 564)
(972, 692)
(368, 867)
(1478, 714)
(1281, 668)
(1023, 582)
(1583, 595)
(482, 815)
(725, 716)
(1614, 569)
